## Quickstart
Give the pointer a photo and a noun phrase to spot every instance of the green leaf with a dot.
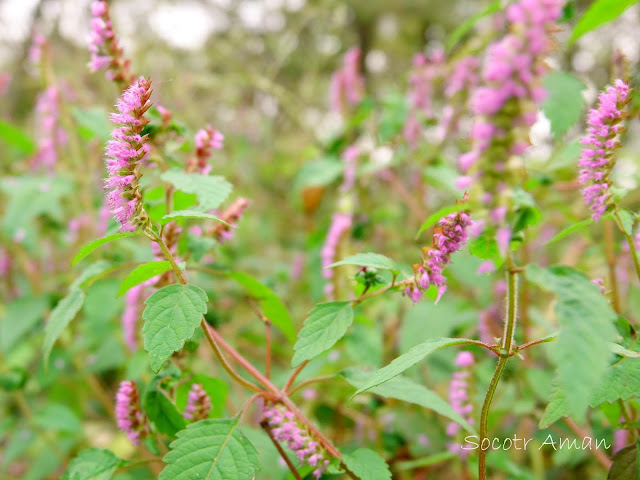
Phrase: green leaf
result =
(91, 246)
(141, 274)
(569, 230)
(191, 214)
(627, 219)
(600, 12)
(564, 103)
(96, 269)
(60, 317)
(435, 217)
(14, 136)
(465, 27)
(623, 352)
(373, 260)
(485, 247)
(162, 412)
(210, 190)
(625, 464)
(318, 173)
(20, 317)
(409, 359)
(621, 382)
(170, 318)
(582, 351)
(31, 197)
(92, 464)
(367, 465)
(211, 450)
(271, 305)
(93, 122)
(326, 324)
(59, 418)
(404, 389)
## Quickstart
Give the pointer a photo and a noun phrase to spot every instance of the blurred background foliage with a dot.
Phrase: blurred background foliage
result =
(259, 71)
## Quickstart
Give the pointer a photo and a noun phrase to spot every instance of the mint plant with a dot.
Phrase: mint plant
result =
(427, 292)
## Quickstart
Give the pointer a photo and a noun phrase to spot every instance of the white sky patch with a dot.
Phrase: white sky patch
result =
(186, 25)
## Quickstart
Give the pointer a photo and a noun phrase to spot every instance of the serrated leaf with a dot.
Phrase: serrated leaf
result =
(20, 317)
(170, 318)
(191, 214)
(91, 246)
(564, 103)
(211, 450)
(367, 465)
(625, 464)
(404, 389)
(141, 274)
(271, 305)
(92, 464)
(60, 317)
(210, 190)
(582, 351)
(600, 12)
(408, 360)
(326, 324)
(621, 382)
(569, 230)
(162, 412)
(373, 260)
(14, 136)
(435, 217)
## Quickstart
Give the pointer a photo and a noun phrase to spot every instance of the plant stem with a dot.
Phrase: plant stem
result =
(611, 263)
(282, 453)
(293, 376)
(507, 346)
(630, 241)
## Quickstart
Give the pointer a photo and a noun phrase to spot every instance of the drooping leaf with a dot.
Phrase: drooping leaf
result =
(409, 359)
(373, 260)
(326, 324)
(91, 246)
(564, 103)
(191, 214)
(57, 417)
(625, 464)
(92, 464)
(404, 389)
(623, 352)
(211, 450)
(21, 316)
(582, 351)
(210, 190)
(162, 412)
(600, 12)
(367, 465)
(60, 317)
(273, 308)
(170, 318)
(436, 216)
(142, 273)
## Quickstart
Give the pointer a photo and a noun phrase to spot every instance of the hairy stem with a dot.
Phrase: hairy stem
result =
(507, 346)
(282, 453)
